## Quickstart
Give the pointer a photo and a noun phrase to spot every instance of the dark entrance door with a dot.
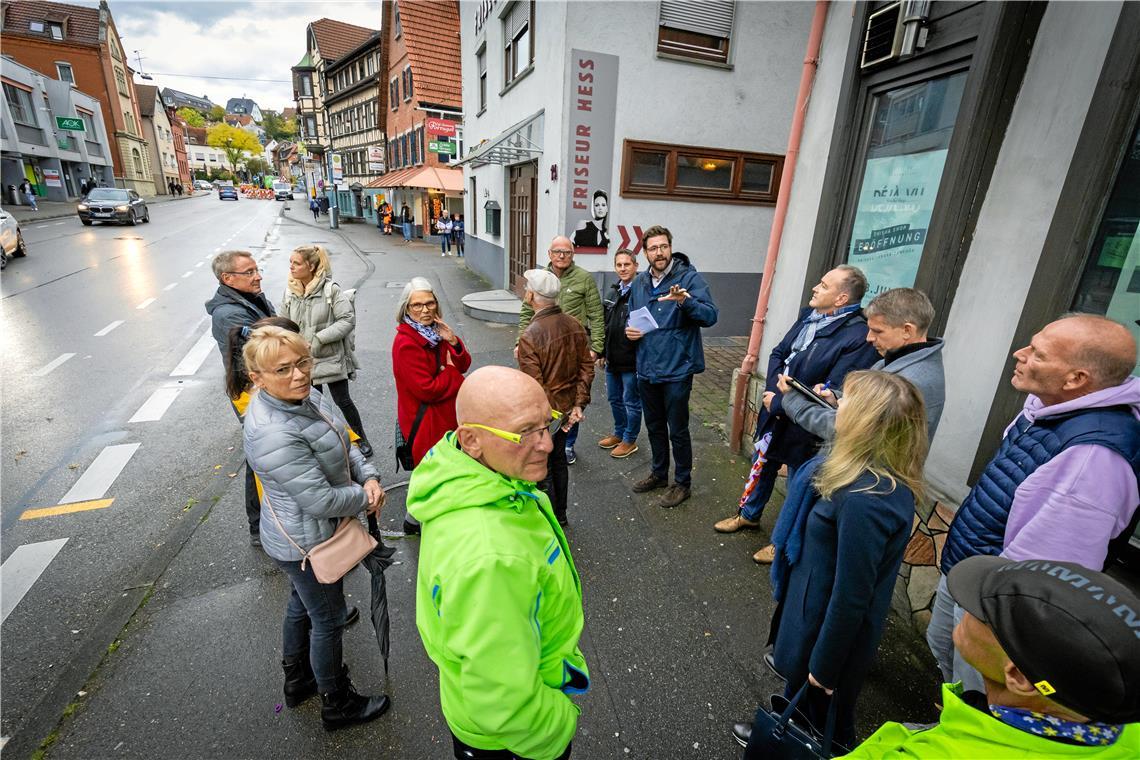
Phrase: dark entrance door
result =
(523, 212)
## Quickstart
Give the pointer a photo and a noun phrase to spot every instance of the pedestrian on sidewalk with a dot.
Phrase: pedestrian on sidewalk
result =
(1063, 484)
(498, 599)
(297, 442)
(327, 317)
(828, 340)
(619, 357)
(170, 187)
(29, 193)
(315, 208)
(555, 351)
(458, 233)
(679, 300)
(443, 229)
(578, 297)
(428, 361)
(1058, 661)
(239, 302)
(840, 544)
(406, 222)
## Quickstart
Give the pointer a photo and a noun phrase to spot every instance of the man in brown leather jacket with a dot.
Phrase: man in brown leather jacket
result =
(555, 351)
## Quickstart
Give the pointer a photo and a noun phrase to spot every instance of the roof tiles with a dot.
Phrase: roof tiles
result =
(80, 24)
(431, 33)
(336, 38)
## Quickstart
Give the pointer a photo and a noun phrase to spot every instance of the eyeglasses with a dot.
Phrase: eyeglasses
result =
(304, 365)
(248, 273)
(517, 438)
(427, 306)
(656, 248)
(560, 252)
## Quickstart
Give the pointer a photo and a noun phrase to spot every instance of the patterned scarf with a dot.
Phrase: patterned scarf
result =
(815, 322)
(1050, 727)
(428, 332)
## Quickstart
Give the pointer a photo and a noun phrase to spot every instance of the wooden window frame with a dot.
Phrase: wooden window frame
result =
(671, 191)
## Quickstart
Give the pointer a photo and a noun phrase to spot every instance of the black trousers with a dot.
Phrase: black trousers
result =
(557, 478)
(467, 752)
(338, 389)
(252, 503)
(665, 407)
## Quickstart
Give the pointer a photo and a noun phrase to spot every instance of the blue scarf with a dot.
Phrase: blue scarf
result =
(788, 537)
(1051, 727)
(813, 324)
(428, 332)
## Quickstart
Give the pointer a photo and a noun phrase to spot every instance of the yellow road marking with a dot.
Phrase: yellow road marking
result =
(63, 509)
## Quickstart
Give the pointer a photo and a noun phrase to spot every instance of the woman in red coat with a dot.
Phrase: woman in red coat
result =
(428, 360)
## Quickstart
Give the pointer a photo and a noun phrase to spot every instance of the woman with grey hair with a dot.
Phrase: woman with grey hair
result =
(327, 318)
(298, 444)
(428, 361)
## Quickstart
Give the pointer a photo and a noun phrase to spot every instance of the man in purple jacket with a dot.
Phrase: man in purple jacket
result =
(1063, 484)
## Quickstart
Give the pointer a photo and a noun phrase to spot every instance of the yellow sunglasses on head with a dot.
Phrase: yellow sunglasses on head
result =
(517, 438)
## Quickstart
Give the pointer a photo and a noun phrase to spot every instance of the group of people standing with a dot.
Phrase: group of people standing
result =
(175, 188)
(450, 229)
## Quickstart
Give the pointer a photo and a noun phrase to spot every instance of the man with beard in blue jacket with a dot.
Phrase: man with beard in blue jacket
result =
(668, 356)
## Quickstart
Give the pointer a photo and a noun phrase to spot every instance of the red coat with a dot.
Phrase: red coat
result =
(419, 380)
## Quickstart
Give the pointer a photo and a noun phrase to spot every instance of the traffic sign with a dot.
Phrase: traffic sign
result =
(441, 127)
(70, 123)
(442, 146)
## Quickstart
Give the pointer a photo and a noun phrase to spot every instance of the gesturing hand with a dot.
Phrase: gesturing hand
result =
(445, 332)
(676, 293)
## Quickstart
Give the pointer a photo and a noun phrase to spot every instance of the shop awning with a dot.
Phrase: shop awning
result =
(521, 142)
(426, 177)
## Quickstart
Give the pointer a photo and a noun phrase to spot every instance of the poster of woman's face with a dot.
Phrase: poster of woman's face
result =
(593, 235)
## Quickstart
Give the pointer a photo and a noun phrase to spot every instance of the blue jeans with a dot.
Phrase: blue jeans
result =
(625, 403)
(445, 242)
(314, 620)
(945, 616)
(666, 408)
(571, 437)
(758, 499)
(407, 230)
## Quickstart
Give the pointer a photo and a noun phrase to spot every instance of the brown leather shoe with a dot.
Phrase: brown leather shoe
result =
(674, 496)
(623, 449)
(765, 556)
(649, 483)
(610, 441)
(734, 523)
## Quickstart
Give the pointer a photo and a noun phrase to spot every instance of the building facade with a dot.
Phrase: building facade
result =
(355, 103)
(159, 137)
(178, 128)
(598, 130)
(989, 155)
(244, 106)
(176, 99)
(54, 160)
(202, 159)
(81, 46)
(423, 81)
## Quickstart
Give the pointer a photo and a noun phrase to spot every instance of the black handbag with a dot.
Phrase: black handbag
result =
(404, 458)
(776, 737)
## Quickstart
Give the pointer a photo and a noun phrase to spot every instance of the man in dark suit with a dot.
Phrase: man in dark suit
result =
(827, 341)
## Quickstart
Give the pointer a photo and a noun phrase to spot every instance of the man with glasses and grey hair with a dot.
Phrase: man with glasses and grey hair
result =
(498, 600)
(579, 297)
(239, 302)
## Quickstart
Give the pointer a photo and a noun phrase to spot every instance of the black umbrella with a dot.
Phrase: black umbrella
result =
(377, 561)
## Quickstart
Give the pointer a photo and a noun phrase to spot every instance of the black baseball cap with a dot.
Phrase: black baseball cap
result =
(1073, 632)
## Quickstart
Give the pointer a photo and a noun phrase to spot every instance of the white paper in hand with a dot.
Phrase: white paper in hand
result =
(641, 319)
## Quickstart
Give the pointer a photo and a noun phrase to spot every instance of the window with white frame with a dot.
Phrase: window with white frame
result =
(65, 72)
(481, 66)
(518, 33)
(696, 31)
(407, 75)
(89, 125)
(55, 29)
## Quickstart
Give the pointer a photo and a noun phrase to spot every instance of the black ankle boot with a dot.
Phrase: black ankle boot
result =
(300, 683)
(344, 707)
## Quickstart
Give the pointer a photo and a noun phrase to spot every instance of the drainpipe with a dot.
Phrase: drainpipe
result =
(807, 78)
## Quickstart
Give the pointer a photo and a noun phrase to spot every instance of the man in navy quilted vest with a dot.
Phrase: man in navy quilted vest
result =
(1063, 484)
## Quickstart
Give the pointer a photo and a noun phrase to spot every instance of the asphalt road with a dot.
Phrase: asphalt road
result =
(155, 629)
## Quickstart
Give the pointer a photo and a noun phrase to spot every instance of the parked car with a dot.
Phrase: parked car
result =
(12, 239)
(110, 204)
(282, 191)
(201, 184)
(227, 190)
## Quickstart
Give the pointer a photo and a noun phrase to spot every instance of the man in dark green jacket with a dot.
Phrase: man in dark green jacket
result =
(578, 297)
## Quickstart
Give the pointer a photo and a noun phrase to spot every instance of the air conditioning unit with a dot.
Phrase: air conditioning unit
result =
(894, 31)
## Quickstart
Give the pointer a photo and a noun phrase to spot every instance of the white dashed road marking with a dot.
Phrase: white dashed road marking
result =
(21, 571)
(187, 274)
(52, 365)
(155, 406)
(171, 286)
(146, 303)
(109, 328)
(97, 478)
(193, 360)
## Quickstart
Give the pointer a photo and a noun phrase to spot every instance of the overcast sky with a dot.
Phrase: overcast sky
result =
(198, 39)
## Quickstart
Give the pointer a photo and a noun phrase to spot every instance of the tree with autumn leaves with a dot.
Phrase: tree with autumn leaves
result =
(232, 141)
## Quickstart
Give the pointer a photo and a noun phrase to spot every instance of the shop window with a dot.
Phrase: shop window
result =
(910, 130)
(518, 51)
(656, 170)
(695, 31)
(1110, 284)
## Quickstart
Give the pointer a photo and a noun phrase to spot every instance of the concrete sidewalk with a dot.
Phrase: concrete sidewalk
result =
(59, 210)
(676, 614)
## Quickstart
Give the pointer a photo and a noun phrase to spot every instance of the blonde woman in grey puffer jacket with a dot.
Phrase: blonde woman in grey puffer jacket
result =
(327, 318)
(297, 443)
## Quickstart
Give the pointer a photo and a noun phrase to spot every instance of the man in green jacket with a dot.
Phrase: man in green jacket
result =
(578, 297)
(1058, 646)
(498, 599)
